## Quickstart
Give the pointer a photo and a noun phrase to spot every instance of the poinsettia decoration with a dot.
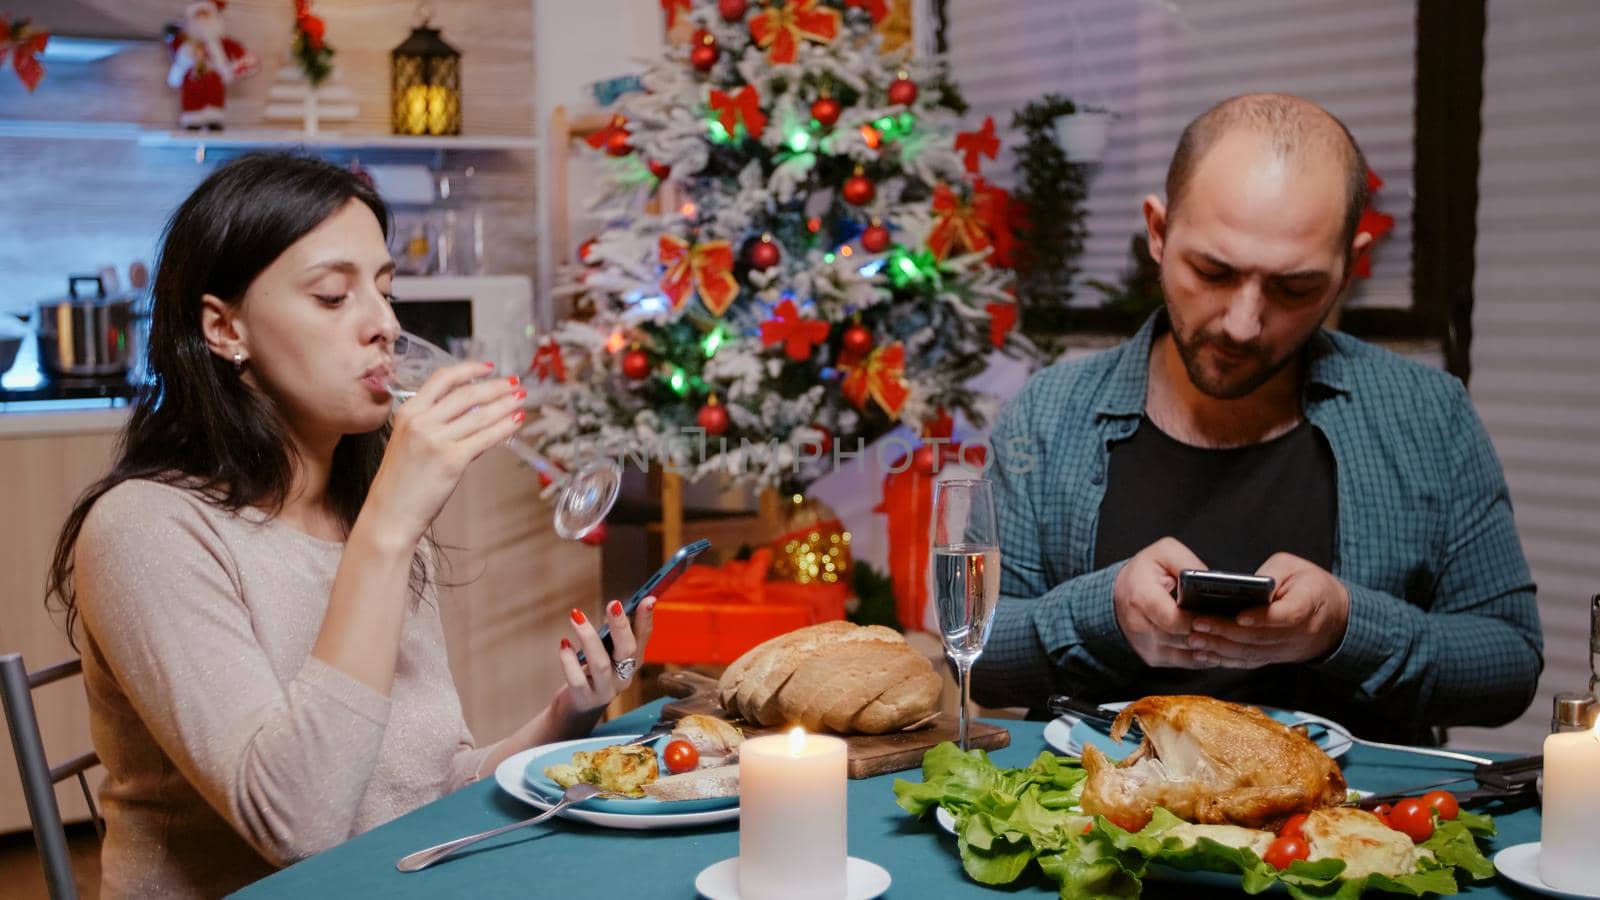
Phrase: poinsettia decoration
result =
(23, 43)
(973, 144)
(797, 334)
(311, 49)
(1374, 223)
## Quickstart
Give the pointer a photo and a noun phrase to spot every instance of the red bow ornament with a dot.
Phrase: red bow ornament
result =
(974, 144)
(705, 269)
(780, 29)
(745, 106)
(24, 43)
(798, 335)
(671, 7)
(1374, 223)
(1002, 318)
(547, 362)
(882, 377)
(958, 223)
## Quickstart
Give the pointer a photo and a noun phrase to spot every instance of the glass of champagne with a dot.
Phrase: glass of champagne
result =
(586, 494)
(966, 575)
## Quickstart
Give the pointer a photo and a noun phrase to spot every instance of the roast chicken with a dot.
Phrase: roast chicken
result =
(1211, 762)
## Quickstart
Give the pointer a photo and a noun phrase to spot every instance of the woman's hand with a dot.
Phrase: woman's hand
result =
(592, 684)
(450, 422)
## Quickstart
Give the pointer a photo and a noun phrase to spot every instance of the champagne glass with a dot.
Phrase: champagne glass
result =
(586, 494)
(966, 575)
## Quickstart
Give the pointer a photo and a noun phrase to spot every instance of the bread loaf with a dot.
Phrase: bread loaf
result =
(833, 677)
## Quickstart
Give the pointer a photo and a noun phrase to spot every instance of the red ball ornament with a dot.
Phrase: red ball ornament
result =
(660, 169)
(713, 417)
(732, 10)
(595, 536)
(819, 446)
(857, 340)
(903, 91)
(858, 189)
(617, 144)
(826, 111)
(763, 254)
(875, 239)
(636, 364)
(585, 249)
(705, 52)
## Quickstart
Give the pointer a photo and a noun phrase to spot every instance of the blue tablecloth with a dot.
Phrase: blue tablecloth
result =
(570, 859)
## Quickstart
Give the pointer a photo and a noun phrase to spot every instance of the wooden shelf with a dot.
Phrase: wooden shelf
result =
(257, 137)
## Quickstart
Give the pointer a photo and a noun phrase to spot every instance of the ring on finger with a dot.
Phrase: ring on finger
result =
(624, 667)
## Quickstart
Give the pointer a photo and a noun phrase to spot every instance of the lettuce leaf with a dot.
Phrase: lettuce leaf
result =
(1007, 818)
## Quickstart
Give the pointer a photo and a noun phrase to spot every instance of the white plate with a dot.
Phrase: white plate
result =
(1521, 864)
(1067, 734)
(509, 775)
(862, 880)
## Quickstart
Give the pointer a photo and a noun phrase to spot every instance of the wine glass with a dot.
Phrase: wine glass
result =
(966, 575)
(586, 494)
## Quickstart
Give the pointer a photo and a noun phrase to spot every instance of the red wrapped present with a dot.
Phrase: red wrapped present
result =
(713, 614)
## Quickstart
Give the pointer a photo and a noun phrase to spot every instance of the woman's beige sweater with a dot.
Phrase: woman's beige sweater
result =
(229, 751)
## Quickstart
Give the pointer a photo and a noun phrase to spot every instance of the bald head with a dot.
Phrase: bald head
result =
(1295, 130)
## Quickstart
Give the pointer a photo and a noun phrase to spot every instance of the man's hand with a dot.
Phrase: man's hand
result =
(1147, 613)
(1306, 620)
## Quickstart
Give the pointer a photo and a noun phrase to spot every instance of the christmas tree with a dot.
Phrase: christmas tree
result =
(824, 269)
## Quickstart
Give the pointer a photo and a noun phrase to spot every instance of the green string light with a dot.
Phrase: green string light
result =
(719, 135)
(678, 382)
(712, 342)
(799, 141)
(828, 258)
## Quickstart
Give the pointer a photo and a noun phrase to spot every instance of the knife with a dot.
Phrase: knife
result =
(1097, 717)
(1506, 778)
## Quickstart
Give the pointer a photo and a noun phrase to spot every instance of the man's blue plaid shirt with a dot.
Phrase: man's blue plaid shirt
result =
(1443, 629)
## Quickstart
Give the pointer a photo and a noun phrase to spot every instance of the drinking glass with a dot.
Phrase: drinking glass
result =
(966, 575)
(585, 495)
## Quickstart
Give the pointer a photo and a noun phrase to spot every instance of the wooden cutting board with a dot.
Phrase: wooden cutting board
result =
(870, 754)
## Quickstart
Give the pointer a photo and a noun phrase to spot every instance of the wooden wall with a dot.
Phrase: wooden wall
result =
(75, 204)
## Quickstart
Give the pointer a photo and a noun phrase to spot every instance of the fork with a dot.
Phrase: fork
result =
(1402, 748)
(427, 857)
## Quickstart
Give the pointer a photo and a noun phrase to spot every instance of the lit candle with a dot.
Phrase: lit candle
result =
(1570, 829)
(792, 827)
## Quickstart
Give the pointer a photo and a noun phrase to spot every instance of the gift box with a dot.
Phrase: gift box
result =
(713, 614)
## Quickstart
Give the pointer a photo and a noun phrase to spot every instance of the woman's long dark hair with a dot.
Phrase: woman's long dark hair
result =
(196, 423)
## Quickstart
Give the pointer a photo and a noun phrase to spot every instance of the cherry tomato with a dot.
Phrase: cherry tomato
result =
(1292, 827)
(681, 756)
(1443, 802)
(1286, 850)
(1414, 818)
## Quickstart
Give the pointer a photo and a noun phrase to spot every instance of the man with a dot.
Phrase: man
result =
(1233, 433)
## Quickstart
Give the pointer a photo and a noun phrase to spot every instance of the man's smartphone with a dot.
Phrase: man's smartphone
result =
(655, 584)
(1222, 593)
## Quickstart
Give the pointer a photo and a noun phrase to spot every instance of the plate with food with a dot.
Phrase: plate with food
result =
(689, 777)
(1214, 793)
(1069, 734)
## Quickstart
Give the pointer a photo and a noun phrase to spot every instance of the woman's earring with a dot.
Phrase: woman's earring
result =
(238, 360)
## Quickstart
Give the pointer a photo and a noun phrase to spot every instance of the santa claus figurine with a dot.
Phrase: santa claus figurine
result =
(204, 63)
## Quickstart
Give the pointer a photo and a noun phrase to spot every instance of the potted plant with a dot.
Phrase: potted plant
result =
(1082, 133)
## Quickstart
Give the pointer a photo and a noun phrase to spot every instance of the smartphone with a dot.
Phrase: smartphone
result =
(1222, 593)
(655, 584)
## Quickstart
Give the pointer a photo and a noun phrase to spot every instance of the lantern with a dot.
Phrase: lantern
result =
(425, 84)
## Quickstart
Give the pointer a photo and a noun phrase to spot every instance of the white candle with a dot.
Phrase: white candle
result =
(1570, 828)
(792, 826)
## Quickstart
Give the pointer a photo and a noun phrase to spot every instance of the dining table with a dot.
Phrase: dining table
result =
(568, 859)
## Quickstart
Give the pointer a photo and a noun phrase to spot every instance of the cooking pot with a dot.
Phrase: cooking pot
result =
(85, 335)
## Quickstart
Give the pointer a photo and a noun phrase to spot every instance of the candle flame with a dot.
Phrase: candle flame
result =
(797, 740)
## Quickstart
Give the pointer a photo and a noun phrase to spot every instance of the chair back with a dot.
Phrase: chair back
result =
(38, 777)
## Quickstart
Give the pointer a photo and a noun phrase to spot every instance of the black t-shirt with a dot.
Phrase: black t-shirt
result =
(1234, 508)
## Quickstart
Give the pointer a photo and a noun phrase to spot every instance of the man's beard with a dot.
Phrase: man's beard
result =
(1253, 367)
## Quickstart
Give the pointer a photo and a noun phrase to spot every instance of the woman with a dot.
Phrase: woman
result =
(263, 655)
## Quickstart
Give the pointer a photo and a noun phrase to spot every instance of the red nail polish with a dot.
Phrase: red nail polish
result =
(514, 380)
(614, 608)
(488, 365)
(566, 644)
(517, 416)
(520, 394)
(578, 617)
(649, 603)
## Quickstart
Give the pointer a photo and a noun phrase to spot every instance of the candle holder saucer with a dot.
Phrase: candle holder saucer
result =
(1520, 864)
(863, 880)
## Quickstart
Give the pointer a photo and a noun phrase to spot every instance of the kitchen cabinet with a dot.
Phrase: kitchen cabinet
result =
(505, 600)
